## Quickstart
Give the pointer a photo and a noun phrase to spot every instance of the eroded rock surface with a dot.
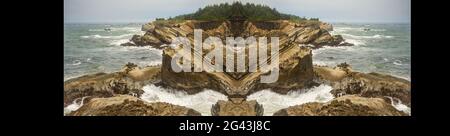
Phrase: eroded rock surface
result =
(126, 105)
(348, 105)
(237, 107)
(129, 80)
(347, 82)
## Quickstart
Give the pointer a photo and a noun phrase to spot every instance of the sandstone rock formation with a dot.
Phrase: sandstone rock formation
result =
(374, 85)
(127, 81)
(346, 81)
(237, 107)
(126, 105)
(296, 71)
(348, 105)
(311, 32)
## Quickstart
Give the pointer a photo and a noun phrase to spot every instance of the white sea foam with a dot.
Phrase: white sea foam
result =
(345, 29)
(118, 42)
(397, 62)
(339, 48)
(201, 102)
(134, 48)
(399, 105)
(377, 36)
(150, 63)
(357, 29)
(355, 42)
(96, 36)
(322, 63)
(74, 106)
(129, 29)
(96, 30)
(76, 62)
(273, 102)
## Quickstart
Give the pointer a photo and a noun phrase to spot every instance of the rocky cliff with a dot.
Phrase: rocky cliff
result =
(129, 80)
(316, 33)
(126, 105)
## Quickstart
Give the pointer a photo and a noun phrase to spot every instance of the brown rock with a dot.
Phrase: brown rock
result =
(237, 108)
(348, 105)
(374, 85)
(128, 81)
(326, 26)
(125, 105)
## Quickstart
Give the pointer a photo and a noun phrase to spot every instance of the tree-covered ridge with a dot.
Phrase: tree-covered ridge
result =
(253, 12)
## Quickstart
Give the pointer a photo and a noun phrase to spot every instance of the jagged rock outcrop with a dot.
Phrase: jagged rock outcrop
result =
(237, 107)
(347, 82)
(348, 105)
(326, 26)
(129, 80)
(309, 32)
(148, 27)
(126, 105)
(330, 75)
(374, 85)
(296, 72)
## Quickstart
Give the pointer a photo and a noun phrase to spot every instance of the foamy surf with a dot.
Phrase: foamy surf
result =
(201, 102)
(76, 104)
(273, 102)
(119, 42)
(355, 42)
(97, 36)
(150, 63)
(356, 29)
(377, 36)
(399, 105)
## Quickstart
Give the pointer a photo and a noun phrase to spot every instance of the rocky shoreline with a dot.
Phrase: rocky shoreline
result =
(315, 33)
(356, 93)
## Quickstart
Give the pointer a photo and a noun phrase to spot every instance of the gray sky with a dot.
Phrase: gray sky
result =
(327, 10)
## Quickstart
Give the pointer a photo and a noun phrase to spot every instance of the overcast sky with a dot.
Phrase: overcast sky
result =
(327, 10)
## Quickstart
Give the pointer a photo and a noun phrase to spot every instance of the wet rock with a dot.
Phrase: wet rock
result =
(129, 80)
(374, 85)
(345, 81)
(348, 105)
(128, 44)
(238, 107)
(125, 105)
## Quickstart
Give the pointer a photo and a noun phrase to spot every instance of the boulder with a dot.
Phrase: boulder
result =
(129, 80)
(237, 107)
(148, 27)
(348, 105)
(345, 81)
(125, 105)
(374, 85)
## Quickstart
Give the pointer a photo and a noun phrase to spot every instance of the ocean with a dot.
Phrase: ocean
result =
(382, 48)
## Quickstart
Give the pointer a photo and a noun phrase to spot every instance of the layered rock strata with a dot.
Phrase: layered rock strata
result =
(348, 105)
(126, 105)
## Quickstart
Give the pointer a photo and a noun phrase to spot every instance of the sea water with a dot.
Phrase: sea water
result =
(383, 48)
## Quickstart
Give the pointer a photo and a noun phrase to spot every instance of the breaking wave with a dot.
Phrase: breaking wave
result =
(96, 36)
(377, 36)
(201, 102)
(273, 102)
